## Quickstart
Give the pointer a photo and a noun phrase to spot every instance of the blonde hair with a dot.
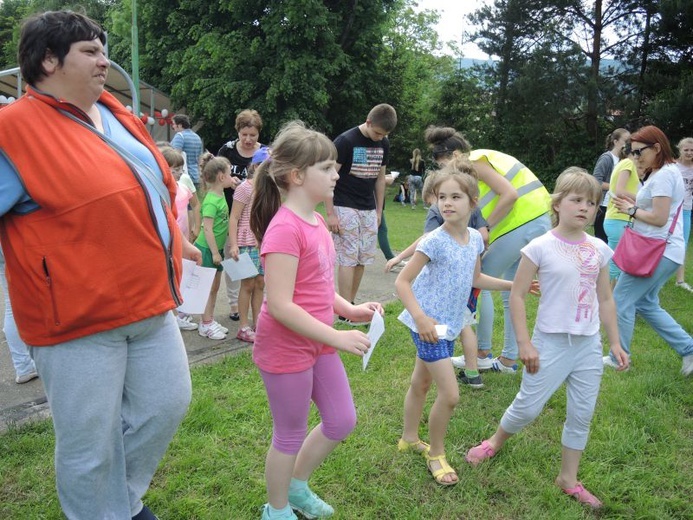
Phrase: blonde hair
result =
(461, 170)
(173, 157)
(296, 147)
(427, 189)
(212, 167)
(683, 142)
(415, 159)
(574, 180)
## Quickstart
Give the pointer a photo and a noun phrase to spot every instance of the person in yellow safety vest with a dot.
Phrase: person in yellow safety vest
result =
(516, 206)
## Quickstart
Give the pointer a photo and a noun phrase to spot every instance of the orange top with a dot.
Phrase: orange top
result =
(90, 259)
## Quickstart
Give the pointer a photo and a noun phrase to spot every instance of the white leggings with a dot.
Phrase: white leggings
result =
(577, 360)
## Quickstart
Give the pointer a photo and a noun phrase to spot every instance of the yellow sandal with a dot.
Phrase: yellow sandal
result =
(417, 446)
(445, 469)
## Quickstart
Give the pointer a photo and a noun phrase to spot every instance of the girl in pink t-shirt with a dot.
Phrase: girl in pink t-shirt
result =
(573, 271)
(295, 343)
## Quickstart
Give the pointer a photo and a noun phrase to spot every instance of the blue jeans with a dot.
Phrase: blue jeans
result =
(19, 352)
(117, 397)
(501, 260)
(686, 225)
(641, 295)
(614, 231)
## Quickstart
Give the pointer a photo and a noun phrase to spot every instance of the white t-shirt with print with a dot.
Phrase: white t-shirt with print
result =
(567, 273)
(667, 182)
(442, 287)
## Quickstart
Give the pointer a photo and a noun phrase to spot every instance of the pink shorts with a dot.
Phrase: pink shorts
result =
(357, 243)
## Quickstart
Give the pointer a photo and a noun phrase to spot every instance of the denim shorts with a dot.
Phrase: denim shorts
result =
(431, 352)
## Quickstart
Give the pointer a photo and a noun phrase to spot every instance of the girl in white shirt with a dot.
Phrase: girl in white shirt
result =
(573, 272)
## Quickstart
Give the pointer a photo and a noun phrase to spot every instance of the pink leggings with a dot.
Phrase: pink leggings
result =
(289, 396)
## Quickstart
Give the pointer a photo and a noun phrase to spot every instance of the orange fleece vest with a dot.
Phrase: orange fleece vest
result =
(90, 259)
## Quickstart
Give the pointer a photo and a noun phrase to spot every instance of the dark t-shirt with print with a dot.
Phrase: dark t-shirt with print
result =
(361, 159)
(239, 166)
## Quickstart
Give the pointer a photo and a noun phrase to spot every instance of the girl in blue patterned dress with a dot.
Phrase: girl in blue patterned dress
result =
(439, 276)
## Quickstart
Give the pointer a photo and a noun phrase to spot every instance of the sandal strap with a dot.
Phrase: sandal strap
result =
(418, 445)
(444, 469)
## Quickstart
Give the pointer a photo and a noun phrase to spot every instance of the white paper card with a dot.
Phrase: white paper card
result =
(195, 286)
(238, 270)
(442, 331)
(375, 331)
(394, 175)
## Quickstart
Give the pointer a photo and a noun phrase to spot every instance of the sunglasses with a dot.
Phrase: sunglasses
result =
(637, 152)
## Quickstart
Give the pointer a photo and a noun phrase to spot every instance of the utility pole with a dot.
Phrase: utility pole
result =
(135, 52)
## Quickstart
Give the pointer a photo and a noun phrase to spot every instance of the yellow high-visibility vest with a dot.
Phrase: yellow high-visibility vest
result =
(533, 201)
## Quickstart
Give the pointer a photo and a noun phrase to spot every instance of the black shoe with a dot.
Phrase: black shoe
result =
(474, 382)
(145, 514)
(347, 321)
(234, 316)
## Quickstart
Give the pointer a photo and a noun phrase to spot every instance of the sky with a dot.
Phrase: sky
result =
(453, 21)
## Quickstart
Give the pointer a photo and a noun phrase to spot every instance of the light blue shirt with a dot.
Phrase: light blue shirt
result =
(190, 143)
(443, 285)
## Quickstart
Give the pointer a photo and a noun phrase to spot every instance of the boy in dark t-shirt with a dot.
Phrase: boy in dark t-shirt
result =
(355, 211)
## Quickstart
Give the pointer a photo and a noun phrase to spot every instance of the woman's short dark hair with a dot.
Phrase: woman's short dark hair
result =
(54, 32)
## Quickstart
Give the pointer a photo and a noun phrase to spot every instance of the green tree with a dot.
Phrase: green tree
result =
(286, 58)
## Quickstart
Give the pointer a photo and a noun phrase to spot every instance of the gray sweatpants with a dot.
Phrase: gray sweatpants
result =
(575, 360)
(117, 397)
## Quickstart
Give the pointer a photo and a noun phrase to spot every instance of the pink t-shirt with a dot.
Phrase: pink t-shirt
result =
(183, 196)
(567, 275)
(278, 349)
(244, 195)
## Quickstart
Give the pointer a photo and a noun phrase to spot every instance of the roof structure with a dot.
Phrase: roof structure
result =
(119, 84)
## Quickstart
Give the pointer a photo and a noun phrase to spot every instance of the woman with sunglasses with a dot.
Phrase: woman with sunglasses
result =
(516, 206)
(655, 207)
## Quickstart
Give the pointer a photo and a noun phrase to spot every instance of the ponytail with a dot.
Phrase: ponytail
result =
(266, 201)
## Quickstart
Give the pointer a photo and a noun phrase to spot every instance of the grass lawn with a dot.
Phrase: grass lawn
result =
(639, 459)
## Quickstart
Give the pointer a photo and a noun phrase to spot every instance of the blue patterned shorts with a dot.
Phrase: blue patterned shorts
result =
(254, 254)
(430, 352)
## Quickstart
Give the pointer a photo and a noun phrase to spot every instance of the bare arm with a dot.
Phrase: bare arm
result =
(658, 216)
(235, 216)
(197, 217)
(622, 178)
(404, 254)
(507, 194)
(280, 280)
(526, 272)
(208, 225)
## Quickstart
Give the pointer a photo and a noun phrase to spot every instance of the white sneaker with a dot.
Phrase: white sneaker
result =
(684, 285)
(221, 327)
(211, 331)
(25, 378)
(497, 366)
(687, 367)
(398, 267)
(186, 323)
(608, 362)
(482, 363)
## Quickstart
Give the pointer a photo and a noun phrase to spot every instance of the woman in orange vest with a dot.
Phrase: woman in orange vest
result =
(93, 255)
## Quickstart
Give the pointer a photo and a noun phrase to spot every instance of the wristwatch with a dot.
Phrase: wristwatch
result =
(632, 210)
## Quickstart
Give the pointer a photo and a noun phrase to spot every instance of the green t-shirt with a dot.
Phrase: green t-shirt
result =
(215, 207)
